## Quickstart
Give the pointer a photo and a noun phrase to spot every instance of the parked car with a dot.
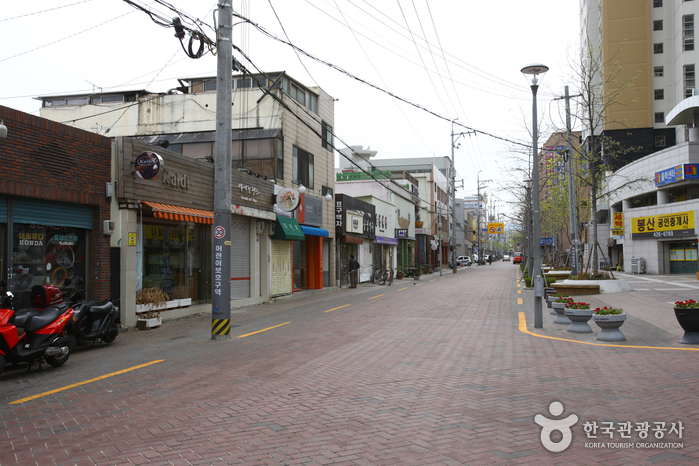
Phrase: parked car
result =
(517, 258)
(463, 261)
(475, 258)
(486, 258)
(506, 258)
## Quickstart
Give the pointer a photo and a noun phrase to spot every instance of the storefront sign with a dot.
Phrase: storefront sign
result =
(355, 222)
(148, 165)
(663, 226)
(616, 233)
(173, 178)
(401, 233)
(250, 191)
(310, 211)
(345, 205)
(669, 175)
(250, 212)
(691, 171)
(247, 192)
(423, 231)
(288, 199)
(619, 221)
(132, 238)
(473, 205)
(386, 240)
(31, 239)
(64, 240)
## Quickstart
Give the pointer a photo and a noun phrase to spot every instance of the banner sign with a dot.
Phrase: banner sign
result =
(401, 233)
(618, 220)
(663, 226)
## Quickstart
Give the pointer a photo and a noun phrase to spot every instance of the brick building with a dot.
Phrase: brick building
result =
(53, 203)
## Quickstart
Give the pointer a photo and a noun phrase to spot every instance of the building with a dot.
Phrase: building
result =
(55, 187)
(282, 140)
(430, 173)
(655, 39)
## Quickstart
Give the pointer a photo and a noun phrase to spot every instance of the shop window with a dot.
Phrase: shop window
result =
(44, 255)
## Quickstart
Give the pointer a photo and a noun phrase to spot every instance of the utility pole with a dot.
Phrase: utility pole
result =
(478, 222)
(221, 296)
(453, 193)
(439, 239)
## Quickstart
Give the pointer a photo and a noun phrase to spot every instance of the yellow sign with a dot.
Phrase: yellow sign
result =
(663, 226)
(132, 239)
(618, 220)
(496, 228)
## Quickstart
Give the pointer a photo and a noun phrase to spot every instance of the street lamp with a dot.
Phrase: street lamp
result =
(535, 70)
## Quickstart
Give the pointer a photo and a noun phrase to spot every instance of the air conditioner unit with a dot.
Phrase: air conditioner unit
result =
(260, 227)
(272, 228)
(107, 227)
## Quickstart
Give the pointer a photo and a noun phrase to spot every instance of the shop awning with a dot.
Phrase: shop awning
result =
(289, 229)
(184, 214)
(313, 231)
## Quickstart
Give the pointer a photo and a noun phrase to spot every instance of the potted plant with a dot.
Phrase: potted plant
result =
(553, 297)
(579, 314)
(418, 219)
(687, 314)
(179, 296)
(609, 319)
(149, 302)
(559, 305)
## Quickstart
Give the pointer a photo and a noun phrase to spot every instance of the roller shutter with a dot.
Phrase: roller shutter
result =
(240, 257)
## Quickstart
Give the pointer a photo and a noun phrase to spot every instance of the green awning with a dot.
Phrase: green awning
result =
(289, 229)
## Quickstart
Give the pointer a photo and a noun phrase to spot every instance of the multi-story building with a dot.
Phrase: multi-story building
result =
(282, 138)
(653, 40)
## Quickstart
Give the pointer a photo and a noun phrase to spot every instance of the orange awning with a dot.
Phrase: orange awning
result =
(184, 214)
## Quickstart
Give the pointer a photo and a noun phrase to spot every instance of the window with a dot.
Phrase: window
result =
(659, 94)
(688, 32)
(327, 133)
(77, 101)
(112, 98)
(658, 25)
(660, 141)
(210, 86)
(660, 117)
(279, 148)
(689, 80)
(256, 155)
(302, 168)
(659, 71)
(658, 48)
(306, 98)
(243, 83)
(657, 3)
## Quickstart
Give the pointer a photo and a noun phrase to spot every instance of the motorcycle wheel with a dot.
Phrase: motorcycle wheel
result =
(2, 363)
(56, 361)
(110, 335)
(416, 275)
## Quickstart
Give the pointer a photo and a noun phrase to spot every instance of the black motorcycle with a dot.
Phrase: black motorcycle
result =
(93, 321)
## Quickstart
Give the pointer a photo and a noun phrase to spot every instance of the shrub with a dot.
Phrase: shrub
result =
(527, 281)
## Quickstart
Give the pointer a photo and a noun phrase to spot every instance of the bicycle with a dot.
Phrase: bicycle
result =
(389, 278)
(413, 272)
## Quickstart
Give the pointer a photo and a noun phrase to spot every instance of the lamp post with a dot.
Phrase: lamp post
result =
(535, 70)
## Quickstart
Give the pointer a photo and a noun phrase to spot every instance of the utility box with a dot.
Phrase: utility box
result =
(638, 265)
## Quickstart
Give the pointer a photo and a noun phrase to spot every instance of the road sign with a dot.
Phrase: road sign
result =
(496, 228)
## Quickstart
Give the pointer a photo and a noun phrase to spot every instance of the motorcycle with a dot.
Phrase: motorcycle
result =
(92, 322)
(42, 335)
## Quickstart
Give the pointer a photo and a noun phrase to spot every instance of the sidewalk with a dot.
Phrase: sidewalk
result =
(649, 307)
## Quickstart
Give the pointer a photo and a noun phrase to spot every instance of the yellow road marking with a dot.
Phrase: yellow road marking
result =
(523, 328)
(519, 301)
(336, 308)
(374, 297)
(68, 387)
(420, 284)
(403, 289)
(519, 291)
(519, 285)
(263, 330)
(434, 279)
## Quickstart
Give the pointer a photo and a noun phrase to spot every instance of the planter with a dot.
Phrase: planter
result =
(578, 320)
(184, 302)
(172, 304)
(610, 327)
(419, 224)
(147, 324)
(688, 319)
(560, 315)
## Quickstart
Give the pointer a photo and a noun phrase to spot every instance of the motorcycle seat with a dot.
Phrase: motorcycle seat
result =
(101, 309)
(23, 317)
(42, 319)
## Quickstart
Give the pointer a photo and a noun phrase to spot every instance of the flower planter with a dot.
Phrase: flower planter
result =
(172, 304)
(560, 316)
(610, 324)
(578, 320)
(184, 302)
(688, 319)
(147, 324)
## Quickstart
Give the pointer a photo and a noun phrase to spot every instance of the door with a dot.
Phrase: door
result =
(240, 257)
(683, 257)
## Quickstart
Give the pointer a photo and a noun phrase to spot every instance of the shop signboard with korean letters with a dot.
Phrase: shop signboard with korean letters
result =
(663, 226)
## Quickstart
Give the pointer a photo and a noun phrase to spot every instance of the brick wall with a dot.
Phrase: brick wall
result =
(44, 159)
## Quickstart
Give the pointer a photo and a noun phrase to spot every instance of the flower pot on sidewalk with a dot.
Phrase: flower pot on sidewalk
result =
(688, 318)
(560, 316)
(578, 320)
(610, 326)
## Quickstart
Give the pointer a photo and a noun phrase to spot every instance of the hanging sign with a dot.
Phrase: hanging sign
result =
(148, 165)
(288, 199)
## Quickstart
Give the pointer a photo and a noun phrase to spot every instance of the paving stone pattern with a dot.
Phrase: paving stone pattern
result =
(433, 374)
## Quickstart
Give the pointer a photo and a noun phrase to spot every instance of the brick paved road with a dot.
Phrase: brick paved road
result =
(435, 373)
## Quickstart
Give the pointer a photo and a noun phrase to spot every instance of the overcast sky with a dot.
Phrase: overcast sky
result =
(467, 68)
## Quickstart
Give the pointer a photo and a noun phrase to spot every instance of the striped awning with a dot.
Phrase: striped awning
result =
(184, 214)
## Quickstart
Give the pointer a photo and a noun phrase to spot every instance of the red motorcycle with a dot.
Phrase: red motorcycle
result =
(37, 334)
